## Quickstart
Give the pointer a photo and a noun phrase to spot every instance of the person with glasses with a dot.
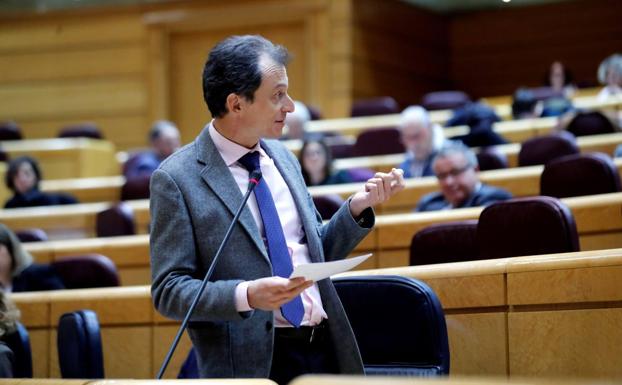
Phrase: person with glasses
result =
(456, 169)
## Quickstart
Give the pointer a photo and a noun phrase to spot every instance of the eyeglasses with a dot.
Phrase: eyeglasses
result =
(453, 172)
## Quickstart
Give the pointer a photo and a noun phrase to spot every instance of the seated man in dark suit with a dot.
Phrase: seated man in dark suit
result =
(164, 139)
(456, 169)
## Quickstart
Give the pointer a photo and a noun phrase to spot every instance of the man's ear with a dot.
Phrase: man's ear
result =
(234, 103)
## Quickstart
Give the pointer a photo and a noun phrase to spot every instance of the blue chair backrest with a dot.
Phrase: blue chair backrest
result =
(79, 345)
(19, 342)
(399, 325)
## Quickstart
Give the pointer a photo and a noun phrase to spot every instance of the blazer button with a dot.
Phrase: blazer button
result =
(268, 326)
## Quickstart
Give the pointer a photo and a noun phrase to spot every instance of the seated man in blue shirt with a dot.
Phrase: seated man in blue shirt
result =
(456, 169)
(164, 140)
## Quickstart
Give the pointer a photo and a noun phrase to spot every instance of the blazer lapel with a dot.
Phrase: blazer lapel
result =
(299, 193)
(219, 179)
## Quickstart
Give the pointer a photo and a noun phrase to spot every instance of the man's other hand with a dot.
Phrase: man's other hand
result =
(272, 292)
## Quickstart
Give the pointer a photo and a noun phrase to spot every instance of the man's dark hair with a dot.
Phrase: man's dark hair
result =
(14, 165)
(233, 67)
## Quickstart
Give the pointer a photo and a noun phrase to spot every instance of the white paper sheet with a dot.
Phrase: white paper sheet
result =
(319, 271)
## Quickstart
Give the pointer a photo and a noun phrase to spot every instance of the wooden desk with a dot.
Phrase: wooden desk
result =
(554, 315)
(69, 221)
(109, 381)
(95, 189)
(598, 219)
(129, 253)
(67, 157)
(544, 316)
(512, 130)
(520, 181)
(313, 379)
(595, 143)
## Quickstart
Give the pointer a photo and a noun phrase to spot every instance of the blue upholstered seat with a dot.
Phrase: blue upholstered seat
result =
(404, 333)
(79, 345)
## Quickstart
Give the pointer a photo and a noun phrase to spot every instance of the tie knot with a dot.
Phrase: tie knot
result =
(250, 161)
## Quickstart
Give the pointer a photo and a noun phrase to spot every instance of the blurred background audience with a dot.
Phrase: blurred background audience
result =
(22, 178)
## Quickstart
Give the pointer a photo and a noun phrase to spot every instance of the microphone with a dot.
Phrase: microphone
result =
(253, 181)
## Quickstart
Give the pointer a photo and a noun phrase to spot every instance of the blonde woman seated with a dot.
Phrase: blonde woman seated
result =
(9, 315)
(17, 270)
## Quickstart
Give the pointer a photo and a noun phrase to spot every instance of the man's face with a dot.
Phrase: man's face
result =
(417, 139)
(265, 116)
(456, 179)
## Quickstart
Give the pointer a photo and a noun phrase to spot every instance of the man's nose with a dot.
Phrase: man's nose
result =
(288, 106)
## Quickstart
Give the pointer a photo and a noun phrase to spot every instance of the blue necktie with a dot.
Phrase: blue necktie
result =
(293, 311)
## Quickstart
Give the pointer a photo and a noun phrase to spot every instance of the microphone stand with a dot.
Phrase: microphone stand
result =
(253, 181)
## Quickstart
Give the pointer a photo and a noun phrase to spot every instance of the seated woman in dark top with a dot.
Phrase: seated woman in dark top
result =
(17, 270)
(23, 178)
(316, 162)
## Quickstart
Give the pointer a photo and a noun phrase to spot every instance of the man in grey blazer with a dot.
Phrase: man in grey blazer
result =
(237, 328)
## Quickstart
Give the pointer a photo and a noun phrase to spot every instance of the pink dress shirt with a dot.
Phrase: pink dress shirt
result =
(290, 221)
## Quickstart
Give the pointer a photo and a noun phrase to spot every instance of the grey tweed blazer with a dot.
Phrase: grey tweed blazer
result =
(193, 199)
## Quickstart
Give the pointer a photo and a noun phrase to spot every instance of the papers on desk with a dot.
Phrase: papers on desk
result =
(319, 271)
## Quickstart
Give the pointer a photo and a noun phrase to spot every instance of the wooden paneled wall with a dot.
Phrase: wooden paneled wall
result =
(398, 50)
(123, 67)
(495, 52)
(71, 68)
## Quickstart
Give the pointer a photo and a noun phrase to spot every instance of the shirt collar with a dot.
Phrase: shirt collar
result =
(230, 151)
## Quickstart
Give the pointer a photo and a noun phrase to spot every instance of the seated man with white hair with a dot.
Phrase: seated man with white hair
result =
(296, 121)
(456, 169)
(164, 140)
(422, 140)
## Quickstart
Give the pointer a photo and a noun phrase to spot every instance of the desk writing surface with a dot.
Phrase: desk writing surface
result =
(67, 157)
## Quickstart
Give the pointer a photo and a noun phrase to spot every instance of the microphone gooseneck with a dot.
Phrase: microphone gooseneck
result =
(254, 177)
(253, 181)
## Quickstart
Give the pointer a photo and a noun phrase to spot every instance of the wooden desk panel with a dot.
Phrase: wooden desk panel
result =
(512, 130)
(555, 343)
(598, 219)
(69, 221)
(594, 215)
(67, 157)
(596, 143)
(87, 190)
(487, 334)
(555, 327)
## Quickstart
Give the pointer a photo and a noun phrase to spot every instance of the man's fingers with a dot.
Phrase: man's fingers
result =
(398, 183)
(378, 181)
(372, 190)
(387, 179)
